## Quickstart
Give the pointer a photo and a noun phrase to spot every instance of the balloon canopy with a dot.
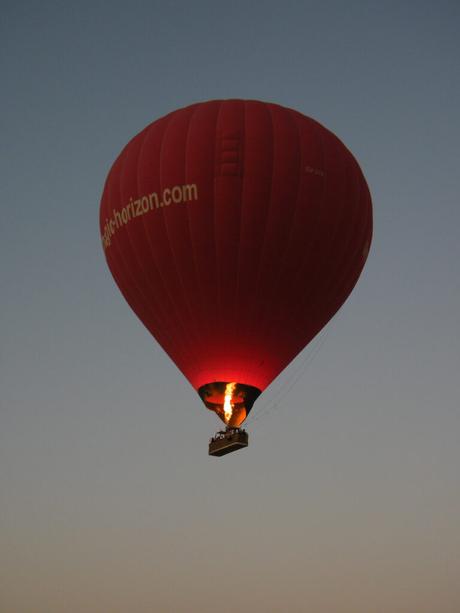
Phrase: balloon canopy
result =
(235, 229)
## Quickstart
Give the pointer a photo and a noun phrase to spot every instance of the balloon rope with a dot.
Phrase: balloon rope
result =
(294, 374)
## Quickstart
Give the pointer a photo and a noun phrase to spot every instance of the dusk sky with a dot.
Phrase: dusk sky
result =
(347, 499)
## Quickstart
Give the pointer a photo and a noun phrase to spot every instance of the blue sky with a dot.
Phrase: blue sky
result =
(348, 497)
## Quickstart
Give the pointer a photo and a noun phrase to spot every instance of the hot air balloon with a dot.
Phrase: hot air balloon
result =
(235, 230)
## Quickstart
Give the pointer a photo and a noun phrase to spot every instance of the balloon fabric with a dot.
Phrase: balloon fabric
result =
(235, 229)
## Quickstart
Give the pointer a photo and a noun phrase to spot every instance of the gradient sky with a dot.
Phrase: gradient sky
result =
(348, 498)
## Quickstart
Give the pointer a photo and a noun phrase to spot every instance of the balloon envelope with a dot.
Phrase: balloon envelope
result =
(235, 230)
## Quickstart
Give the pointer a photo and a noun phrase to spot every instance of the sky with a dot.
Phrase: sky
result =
(347, 499)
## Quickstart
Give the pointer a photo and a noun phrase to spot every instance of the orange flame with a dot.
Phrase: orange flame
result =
(228, 406)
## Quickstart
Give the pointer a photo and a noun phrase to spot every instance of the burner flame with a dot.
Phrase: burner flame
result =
(228, 406)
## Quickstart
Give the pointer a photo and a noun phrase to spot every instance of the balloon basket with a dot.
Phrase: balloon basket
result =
(227, 441)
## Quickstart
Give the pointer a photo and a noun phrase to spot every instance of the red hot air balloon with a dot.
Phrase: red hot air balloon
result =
(235, 229)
